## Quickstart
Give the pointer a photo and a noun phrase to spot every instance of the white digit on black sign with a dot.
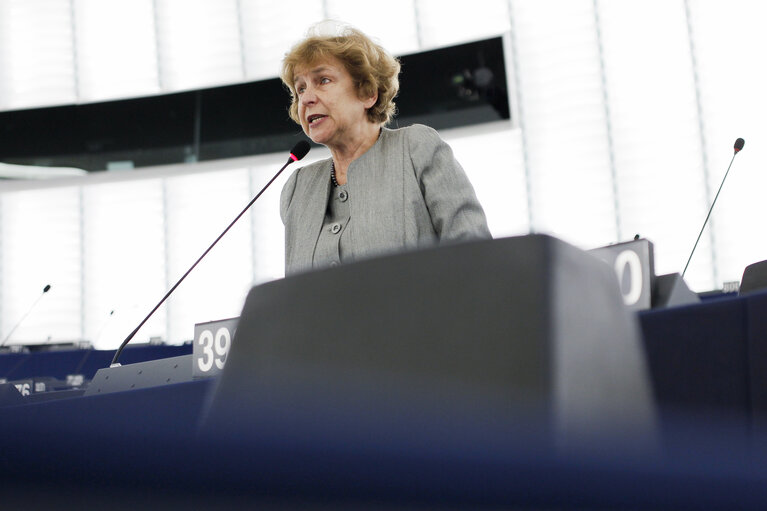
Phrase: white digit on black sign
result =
(631, 259)
(223, 340)
(205, 363)
(23, 388)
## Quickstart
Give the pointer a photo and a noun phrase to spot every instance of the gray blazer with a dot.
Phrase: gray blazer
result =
(406, 192)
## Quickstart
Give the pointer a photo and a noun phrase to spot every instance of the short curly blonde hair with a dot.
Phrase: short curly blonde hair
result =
(371, 67)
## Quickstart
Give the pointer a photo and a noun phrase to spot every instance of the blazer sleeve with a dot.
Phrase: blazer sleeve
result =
(456, 214)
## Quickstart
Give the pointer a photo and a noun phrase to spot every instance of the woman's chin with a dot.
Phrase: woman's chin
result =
(317, 138)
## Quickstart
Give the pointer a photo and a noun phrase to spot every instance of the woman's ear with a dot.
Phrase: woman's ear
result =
(369, 102)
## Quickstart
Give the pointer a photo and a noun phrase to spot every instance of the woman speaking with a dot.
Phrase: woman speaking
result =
(383, 190)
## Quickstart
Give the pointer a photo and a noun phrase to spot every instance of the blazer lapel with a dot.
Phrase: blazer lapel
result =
(316, 184)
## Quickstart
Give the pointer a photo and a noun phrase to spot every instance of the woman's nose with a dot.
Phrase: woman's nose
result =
(308, 96)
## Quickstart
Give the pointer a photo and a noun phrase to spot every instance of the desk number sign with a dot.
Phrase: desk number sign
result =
(633, 265)
(212, 341)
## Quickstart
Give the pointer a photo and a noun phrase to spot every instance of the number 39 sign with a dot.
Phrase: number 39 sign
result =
(212, 341)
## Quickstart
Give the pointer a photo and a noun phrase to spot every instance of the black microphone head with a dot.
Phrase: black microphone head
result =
(739, 144)
(47, 288)
(299, 150)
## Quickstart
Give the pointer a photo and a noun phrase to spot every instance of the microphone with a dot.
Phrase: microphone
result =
(299, 151)
(738, 146)
(45, 290)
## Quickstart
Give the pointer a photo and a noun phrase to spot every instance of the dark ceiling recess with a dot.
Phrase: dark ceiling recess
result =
(444, 88)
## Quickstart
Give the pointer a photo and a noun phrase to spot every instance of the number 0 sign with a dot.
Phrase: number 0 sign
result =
(634, 268)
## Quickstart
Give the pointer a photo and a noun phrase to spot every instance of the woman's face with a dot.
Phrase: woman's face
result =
(328, 104)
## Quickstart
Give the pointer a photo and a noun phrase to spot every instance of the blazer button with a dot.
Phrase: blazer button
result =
(343, 195)
(335, 228)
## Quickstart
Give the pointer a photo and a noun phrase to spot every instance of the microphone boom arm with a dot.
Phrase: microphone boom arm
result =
(738, 146)
(296, 157)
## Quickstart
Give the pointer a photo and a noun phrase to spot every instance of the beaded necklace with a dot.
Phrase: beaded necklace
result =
(333, 174)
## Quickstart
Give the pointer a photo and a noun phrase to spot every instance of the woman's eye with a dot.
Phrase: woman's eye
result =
(325, 80)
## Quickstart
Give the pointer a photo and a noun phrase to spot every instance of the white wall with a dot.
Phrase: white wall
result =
(625, 113)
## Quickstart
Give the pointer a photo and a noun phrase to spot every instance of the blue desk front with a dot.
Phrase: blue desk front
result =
(142, 448)
(709, 360)
(139, 449)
